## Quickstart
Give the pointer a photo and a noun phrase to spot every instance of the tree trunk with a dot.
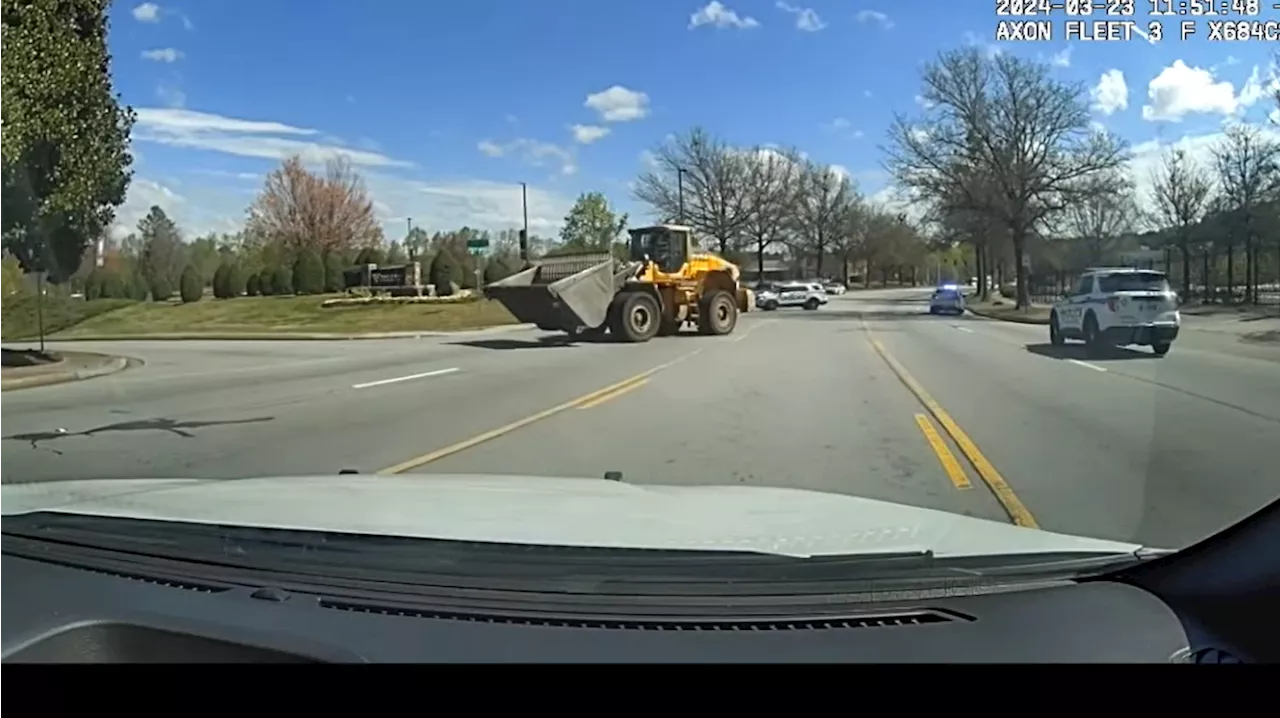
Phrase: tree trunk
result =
(1020, 270)
(1208, 286)
(1231, 273)
(1185, 248)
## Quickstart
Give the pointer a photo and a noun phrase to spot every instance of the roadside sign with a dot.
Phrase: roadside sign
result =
(477, 243)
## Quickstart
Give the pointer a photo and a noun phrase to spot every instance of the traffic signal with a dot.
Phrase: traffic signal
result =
(524, 244)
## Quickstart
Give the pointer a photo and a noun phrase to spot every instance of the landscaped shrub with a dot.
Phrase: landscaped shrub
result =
(190, 286)
(282, 281)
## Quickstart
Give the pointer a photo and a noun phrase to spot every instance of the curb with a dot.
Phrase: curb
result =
(1035, 321)
(284, 336)
(113, 365)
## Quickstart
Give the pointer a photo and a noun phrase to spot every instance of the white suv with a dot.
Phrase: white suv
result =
(809, 296)
(1115, 307)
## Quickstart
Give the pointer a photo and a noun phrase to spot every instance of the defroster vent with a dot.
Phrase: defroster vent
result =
(827, 623)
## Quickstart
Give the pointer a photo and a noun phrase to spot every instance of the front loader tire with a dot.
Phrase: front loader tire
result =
(639, 318)
(717, 314)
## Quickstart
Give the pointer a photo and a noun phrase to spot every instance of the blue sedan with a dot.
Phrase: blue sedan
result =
(947, 300)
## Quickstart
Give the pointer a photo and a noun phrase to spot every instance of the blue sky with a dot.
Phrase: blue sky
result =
(447, 107)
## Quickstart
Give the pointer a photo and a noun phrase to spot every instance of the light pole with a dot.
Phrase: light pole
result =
(524, 234)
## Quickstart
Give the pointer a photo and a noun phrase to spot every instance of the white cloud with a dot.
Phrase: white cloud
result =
(839, 123)
(975, 40)
(806, 18)
(1180, 90)
(245, 138)
(533, 152)
(201, 209)
(618, 104)
(876, 17)
(170, 96)
(147, 12)
(1111, 94)
(165, 54)
(1148, 156)
(717, 15)
(586, 134)
(1061, 58)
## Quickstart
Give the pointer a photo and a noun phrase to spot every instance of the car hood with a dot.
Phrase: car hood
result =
(554, 511)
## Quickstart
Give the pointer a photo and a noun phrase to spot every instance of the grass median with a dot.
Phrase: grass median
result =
(1005, 310)
(280, 316)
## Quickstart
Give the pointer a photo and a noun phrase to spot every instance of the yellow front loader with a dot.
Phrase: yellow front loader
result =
(663, 285)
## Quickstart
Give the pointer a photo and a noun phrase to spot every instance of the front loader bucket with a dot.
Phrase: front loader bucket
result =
(566, 293)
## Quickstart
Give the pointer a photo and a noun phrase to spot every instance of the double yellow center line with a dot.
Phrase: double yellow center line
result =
(1004, 494)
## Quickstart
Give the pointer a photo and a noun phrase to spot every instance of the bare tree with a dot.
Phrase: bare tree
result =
(298, 208)
(823, 209)
(1180, 191)
(851, 242)
(1247, 164)
(1106, 211)
(714, 200)
(772, 183)
(1007, 121)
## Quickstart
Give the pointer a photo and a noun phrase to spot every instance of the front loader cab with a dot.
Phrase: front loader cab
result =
(667, 246)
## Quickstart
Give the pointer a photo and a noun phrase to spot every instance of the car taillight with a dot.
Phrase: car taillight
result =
(1112, 303)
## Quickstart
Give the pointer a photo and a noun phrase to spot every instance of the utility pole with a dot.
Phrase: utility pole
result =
(408, 232)
(680, 192)
(524, 233)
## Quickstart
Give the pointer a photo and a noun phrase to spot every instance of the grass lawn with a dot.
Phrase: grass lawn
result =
(283, 315)
(18, 317)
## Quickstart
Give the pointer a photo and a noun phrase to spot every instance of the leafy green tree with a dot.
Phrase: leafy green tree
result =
(308, 273)
(251, 286)
(499, 267)
(282, 281)
(371, 255)
(396, 254)
(160, 287)
(444, 273)
(220, 290)
(66, 162)
(163, 255)
(114, 286)
(591, 225)
(93, 284)
(334, 266)
(190, 286)
(235, 280)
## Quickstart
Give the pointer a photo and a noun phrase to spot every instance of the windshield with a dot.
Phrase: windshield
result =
(288, 275)
(1133, 282)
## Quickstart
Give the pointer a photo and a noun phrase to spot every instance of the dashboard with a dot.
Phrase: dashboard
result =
(61, 613)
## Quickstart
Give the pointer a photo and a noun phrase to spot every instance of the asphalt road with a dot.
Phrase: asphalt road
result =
(869, 396)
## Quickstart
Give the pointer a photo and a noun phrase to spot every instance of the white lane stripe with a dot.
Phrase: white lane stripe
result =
(964, 329)
(393, 380)
(1086, 365)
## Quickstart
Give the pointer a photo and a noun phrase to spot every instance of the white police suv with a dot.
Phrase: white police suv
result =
(793, 294)
(1118, 306)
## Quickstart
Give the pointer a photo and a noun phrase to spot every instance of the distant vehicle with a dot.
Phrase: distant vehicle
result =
(835, 288)
(1118, 306)
(808, 296)
(947, 299)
